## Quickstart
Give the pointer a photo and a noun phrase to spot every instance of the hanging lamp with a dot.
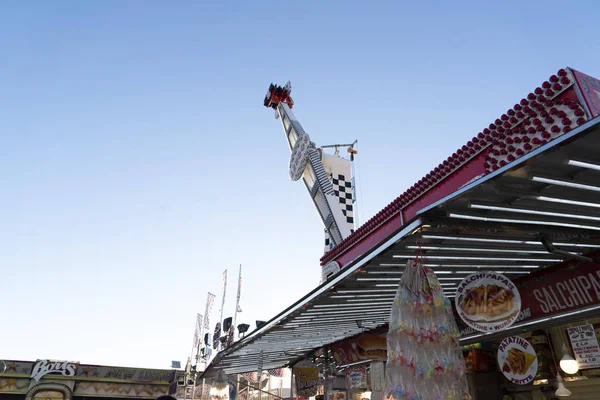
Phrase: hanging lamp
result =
(562, 391)
(568, 363)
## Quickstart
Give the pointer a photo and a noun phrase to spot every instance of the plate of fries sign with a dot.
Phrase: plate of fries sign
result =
(517, 360)
(487, 301)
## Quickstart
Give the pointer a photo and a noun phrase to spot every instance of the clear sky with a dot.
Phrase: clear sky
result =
(137, 161)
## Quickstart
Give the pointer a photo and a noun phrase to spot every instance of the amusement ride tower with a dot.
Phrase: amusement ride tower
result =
(328, 177)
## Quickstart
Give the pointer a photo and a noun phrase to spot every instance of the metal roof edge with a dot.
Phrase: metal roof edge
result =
(405, 230)
(581, 129)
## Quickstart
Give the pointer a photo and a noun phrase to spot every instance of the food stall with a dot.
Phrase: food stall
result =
(518, 201)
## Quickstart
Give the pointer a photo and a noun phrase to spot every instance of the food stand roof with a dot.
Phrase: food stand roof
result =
(494, 223)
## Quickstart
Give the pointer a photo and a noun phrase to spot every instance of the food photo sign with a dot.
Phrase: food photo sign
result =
(488, 302)
(517, 360)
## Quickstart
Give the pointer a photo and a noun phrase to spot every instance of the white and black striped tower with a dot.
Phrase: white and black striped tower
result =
(328, 178)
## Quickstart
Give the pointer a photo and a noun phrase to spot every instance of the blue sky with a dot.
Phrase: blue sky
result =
(137, 161)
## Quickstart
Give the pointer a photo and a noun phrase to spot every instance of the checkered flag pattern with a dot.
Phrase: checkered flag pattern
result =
(328, 244)
(342, 188)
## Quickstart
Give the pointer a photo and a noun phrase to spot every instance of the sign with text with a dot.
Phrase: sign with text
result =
(45, 367)
(307, 380)
(517, 360)
(554, 290)
(356, 377)
(585, 346)
(487, 301)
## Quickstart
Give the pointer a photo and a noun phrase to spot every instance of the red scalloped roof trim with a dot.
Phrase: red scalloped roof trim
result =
(519, 124)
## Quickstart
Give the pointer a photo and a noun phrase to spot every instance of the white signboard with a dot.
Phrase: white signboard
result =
(585, 346)
(45, 367)
(517, 360)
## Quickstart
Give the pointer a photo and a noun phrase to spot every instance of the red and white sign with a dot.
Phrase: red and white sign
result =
(585, 346)
(555, 290)
(487, 301)
(517, 360)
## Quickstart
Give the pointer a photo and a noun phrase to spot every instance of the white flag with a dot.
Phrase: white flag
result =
(239, 292)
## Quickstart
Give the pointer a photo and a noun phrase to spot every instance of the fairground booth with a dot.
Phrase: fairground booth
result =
(64, 380)
(507, 229)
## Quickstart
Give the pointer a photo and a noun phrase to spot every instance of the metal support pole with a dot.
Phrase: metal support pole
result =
(292, 384)
(259, 372)
(280, 387)
(259, 387)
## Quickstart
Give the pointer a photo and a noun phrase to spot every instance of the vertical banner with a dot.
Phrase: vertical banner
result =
(197, 333)
(224, 284)
(237, 309)
(210, 300)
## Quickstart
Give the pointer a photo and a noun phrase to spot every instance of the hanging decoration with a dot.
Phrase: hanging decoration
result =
(488, 301)
(424, 360)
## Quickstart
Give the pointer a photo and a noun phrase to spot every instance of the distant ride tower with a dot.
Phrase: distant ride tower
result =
(327, 177)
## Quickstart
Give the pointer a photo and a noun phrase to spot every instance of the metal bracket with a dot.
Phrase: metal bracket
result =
(564, 254)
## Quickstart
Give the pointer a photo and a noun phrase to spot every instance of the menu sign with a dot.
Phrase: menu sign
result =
(585, 346)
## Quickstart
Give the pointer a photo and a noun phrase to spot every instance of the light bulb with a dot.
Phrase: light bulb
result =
(562, 391)
(568, 363)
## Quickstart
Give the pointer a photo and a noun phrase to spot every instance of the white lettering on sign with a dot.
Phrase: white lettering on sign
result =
(578, 291)
(45, 367)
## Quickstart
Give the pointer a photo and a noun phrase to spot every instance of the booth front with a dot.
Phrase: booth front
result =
(485, 272)
(65, 380)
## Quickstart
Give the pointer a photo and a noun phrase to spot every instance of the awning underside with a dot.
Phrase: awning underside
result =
(494, 224)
